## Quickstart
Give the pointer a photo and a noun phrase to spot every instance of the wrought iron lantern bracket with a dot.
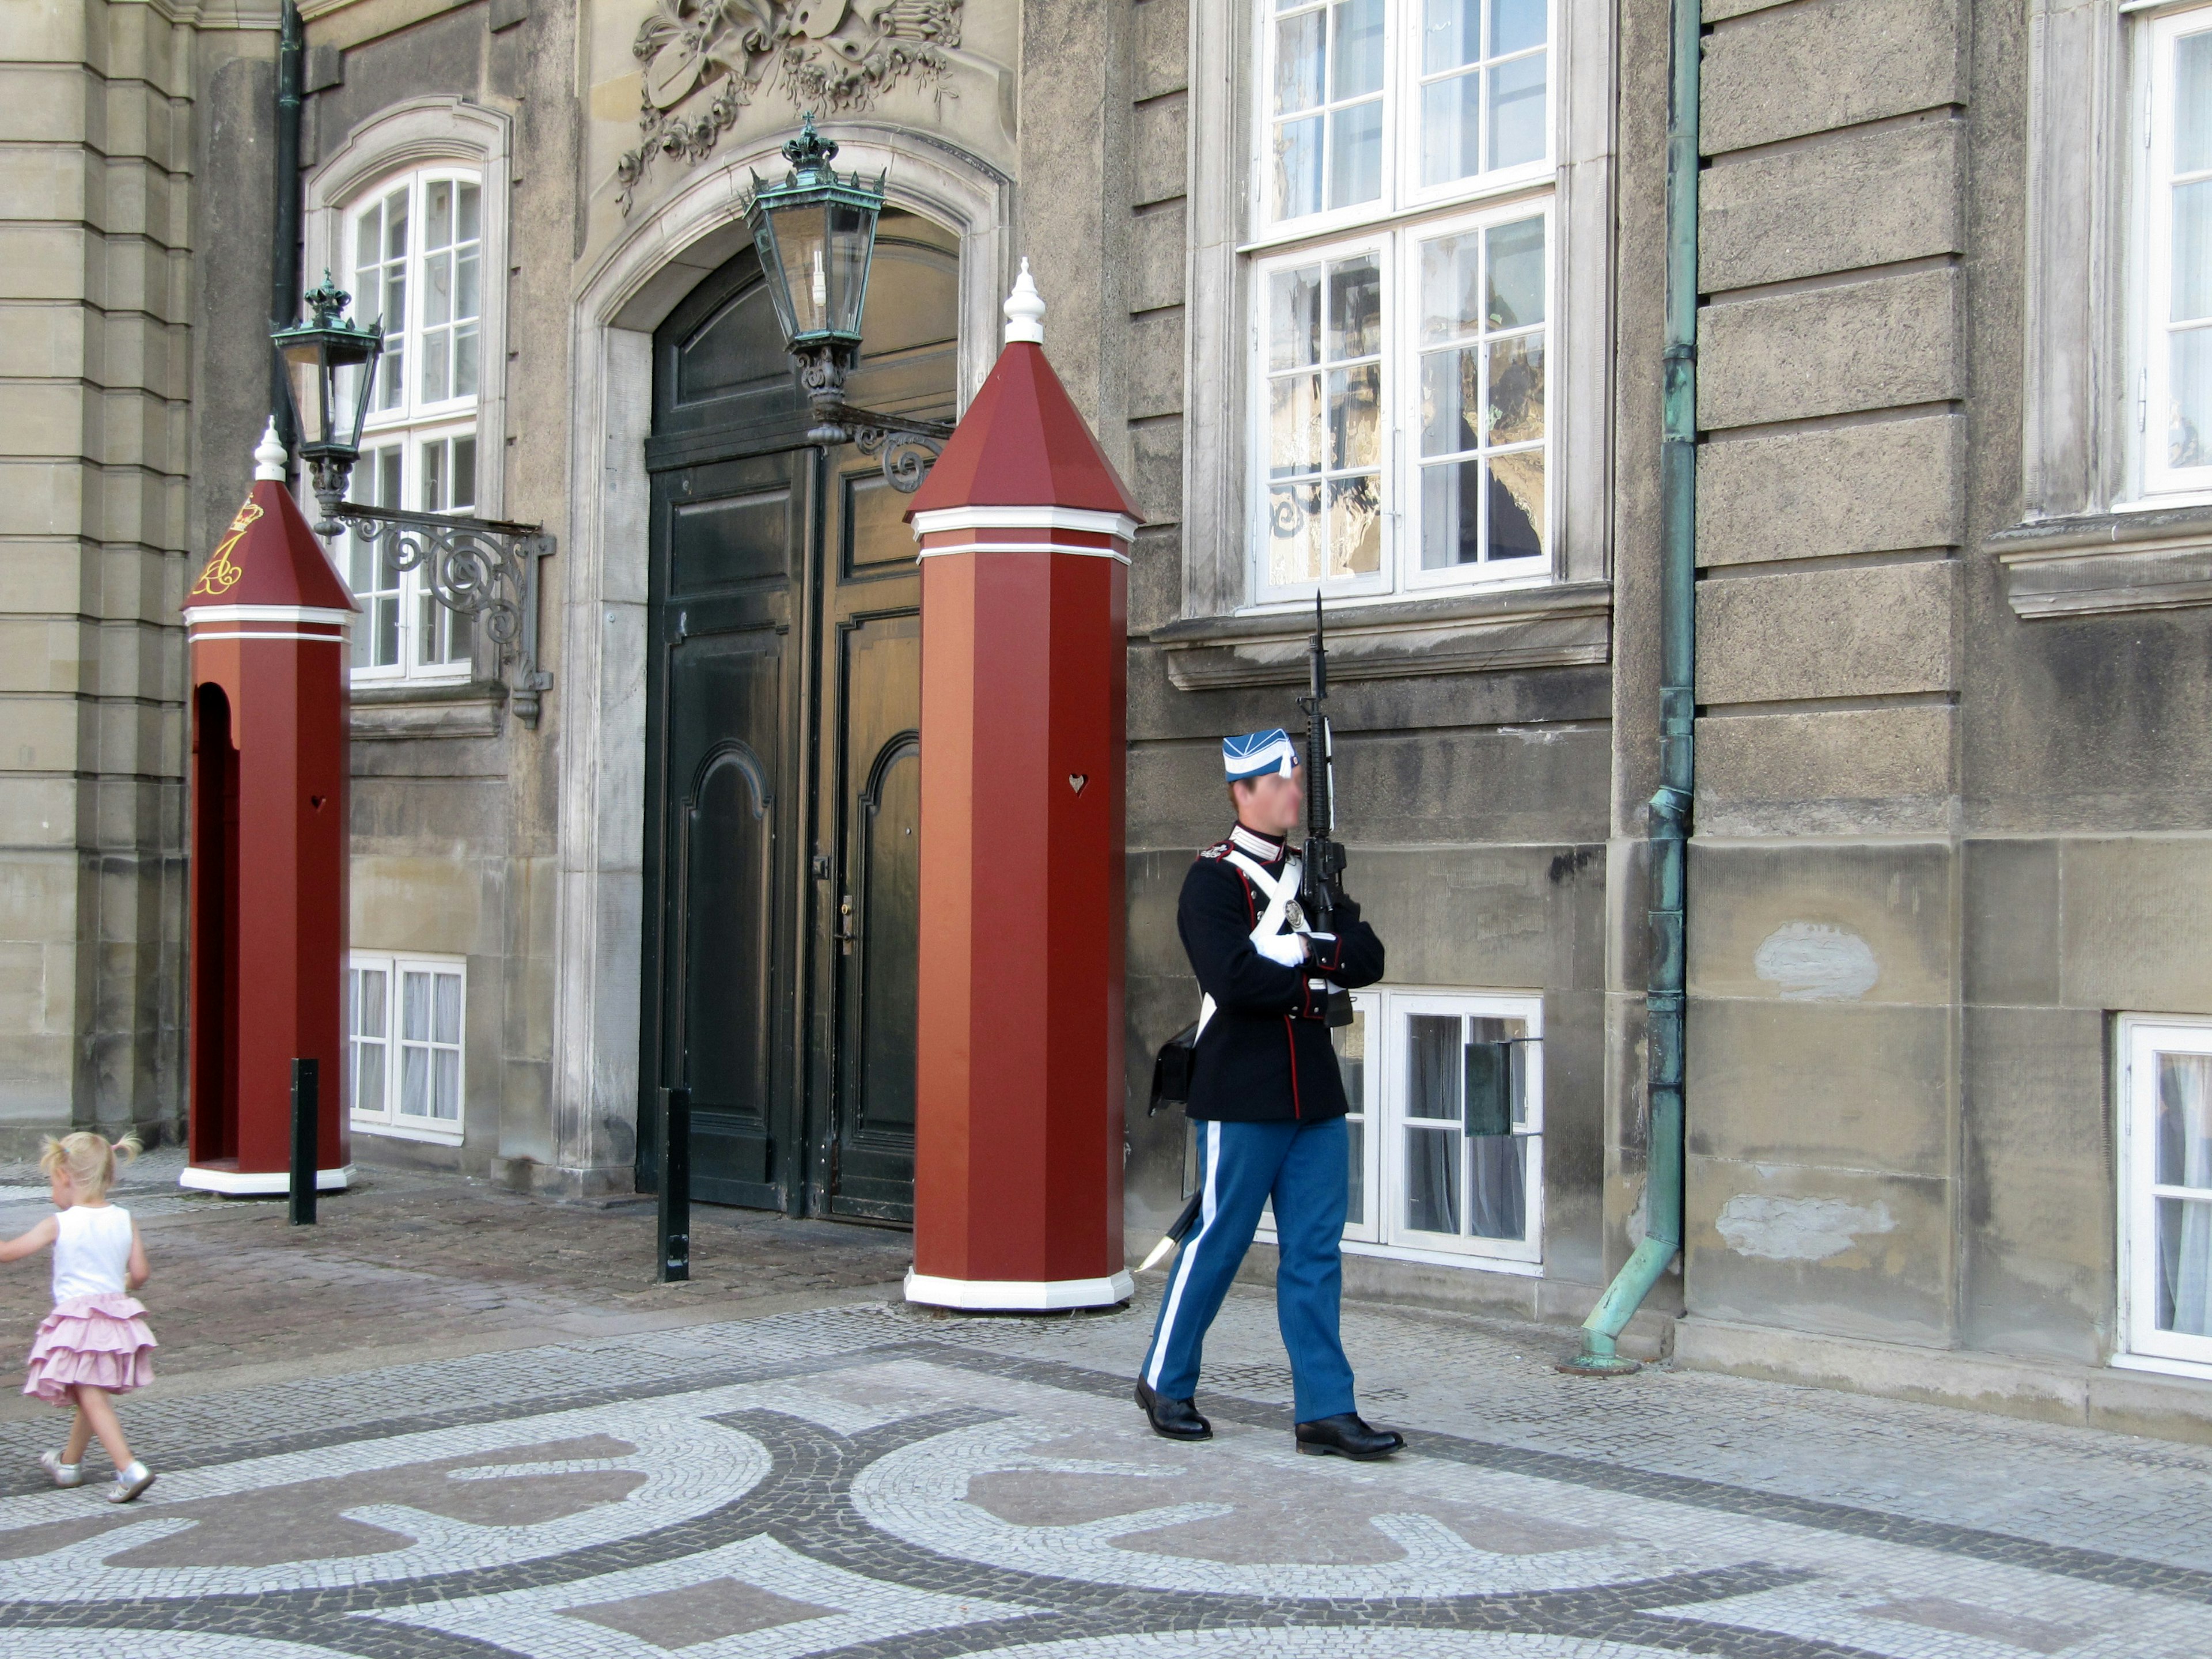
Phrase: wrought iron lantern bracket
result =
(483, 568)
(908, 446)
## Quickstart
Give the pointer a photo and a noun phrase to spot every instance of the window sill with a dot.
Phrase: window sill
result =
(454, 708)
(452, 1137)
(2107, 563)
(1548, 626)
(2162, 1365)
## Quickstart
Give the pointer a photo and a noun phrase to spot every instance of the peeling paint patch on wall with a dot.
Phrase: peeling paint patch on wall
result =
(1798, 1229)
(1812, 962)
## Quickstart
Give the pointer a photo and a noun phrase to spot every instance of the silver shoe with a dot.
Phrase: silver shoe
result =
(129, 1483)
(64, 1474)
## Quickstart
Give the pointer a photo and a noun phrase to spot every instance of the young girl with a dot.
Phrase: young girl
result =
(94, 1344)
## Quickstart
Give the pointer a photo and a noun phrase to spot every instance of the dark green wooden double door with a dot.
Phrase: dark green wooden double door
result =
(783, 754)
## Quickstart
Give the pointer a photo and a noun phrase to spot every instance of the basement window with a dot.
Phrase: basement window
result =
(2165, 1204)
(405, 1066)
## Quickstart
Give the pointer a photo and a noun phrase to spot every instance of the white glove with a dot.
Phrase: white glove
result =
(1288, 949)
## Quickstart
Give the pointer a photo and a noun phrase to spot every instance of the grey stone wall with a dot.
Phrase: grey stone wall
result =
(97, 237)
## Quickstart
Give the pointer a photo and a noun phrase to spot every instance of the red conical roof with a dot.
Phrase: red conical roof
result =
(1023, 444)
(269, 556)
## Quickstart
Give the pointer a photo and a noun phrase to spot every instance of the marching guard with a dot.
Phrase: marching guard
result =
(1269, 1100)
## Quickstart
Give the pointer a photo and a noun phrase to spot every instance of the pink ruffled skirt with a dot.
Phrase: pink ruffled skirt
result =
(102, 1340)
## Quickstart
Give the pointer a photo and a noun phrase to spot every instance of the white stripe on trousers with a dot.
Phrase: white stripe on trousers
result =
(1189, 1255)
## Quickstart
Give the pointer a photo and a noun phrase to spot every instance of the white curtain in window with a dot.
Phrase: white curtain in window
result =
(2184, 1223)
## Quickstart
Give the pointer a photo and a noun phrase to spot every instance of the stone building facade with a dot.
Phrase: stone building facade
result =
(1363, 294)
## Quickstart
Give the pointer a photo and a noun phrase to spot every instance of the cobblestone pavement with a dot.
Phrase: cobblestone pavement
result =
(869, 1481)
(407, 1263)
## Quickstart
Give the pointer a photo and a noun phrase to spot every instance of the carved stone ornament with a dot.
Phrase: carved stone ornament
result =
(829, 56)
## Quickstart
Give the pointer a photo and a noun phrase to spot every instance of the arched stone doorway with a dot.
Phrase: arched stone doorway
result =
(783, 687)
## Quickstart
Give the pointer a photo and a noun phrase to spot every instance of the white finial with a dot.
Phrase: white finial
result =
(1024, 310)
(270, 456)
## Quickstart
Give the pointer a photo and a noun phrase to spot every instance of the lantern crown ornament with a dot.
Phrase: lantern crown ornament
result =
(816, 234)
(330, 371)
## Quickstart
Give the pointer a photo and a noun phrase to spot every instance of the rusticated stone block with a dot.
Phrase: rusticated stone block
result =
(1850, 490)
(1876, 344)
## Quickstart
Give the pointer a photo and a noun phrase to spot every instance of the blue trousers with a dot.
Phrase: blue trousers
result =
(1302, 1166)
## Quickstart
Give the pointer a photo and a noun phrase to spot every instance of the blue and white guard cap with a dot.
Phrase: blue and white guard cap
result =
(1256, 754)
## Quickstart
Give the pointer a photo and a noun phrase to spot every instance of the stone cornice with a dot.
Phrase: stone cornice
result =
(2107, 563)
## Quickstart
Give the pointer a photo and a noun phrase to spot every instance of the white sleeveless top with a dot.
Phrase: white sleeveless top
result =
(92, 1249)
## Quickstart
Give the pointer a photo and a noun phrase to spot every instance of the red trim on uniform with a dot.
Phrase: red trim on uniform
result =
(1291, 1036)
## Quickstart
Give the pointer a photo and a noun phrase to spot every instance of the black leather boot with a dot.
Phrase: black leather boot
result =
(1175, 1419)
(1346, 1435)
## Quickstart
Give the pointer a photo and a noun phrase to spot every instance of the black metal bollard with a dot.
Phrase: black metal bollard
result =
(675, 1185)
(305, 1108)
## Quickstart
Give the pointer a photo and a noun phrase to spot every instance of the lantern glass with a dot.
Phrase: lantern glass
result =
(329, 368)
(816, 234)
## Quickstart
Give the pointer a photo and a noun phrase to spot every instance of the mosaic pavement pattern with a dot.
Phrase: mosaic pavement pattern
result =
(873, 1483)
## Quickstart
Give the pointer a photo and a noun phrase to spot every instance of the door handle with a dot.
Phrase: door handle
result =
(845, 936)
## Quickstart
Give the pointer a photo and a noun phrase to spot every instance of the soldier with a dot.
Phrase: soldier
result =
(1269, 1103)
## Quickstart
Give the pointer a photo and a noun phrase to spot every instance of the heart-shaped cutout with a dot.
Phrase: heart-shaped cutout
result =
(1077, 780)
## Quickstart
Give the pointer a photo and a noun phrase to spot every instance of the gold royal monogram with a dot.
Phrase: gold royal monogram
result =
(221, 574)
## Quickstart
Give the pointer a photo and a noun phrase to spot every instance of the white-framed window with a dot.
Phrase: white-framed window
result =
(2165, 1198)
(2173, 373)
(406, 1025)
(1367, 107)
(1447, 1143)
(415, 247)
(1403, 438)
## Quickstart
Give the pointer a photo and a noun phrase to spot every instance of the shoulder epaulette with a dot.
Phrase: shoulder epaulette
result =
(1220, 849)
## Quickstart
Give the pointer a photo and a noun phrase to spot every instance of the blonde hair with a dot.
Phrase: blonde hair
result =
(87, 1158)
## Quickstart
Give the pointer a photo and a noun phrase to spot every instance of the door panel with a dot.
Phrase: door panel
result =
(721, 678)
(878, 951)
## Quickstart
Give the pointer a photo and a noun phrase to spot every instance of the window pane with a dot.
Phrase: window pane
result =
(2184, 1267)
(1355, 525)
(1516, 110)
(2185, 1121)
(446, 1094)
(1497, 1186)
(1451, 284)
(469, 227)
(1433, 1178)
(1355, 1207)
(1516, 274)
(1294, 409)
(395, 225)
(1351, 1042)
(1451, 129)
(1355, 160)
(434, 475)
(1297, 62)
(1356, 60)
(1489, 1083)
(2192, 103)
(1355, 307)
(1451, 401)
(1432, 1066)
(1515, 26)
(468, 295)
(1516, 390)
(448, 1026)
(2192, 409)
(1451, 34)
(2192, 251)
(368, 1086)
(1294, 317)
(368, 237)
(1451, 514)
(1294, 532)
(415, 1081)
(372, 990)
(438, 289)
(1355, 398)
(465, 472)
(465, 360)
(415, 1007)
(1517, 507)
(436, 365)
(438, 214)
(1298, 167)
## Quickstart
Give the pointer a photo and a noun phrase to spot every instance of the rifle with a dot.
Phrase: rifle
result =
(1322, 860)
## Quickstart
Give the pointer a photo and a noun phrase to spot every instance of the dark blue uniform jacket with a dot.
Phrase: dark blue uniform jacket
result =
(1265, 1054)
